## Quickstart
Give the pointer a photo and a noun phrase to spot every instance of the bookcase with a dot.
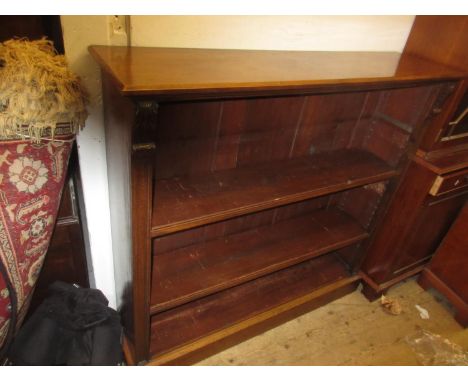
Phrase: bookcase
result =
(253, 181)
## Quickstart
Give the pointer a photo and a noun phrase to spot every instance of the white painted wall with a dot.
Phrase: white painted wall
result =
(110, 262)
(330, 33)
(78, 33)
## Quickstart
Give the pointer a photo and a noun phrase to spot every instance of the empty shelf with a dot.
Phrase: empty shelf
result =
(226, 313)
(198, 270)
(182, 203)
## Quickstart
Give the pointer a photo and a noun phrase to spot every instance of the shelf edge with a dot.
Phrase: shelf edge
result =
(166, 229)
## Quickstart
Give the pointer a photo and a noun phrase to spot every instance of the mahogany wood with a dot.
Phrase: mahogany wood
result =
(141, 194)
(242, 223)
(183, 203)
(141, 223)
(256, 300)
(362, 203)
(198, 270)
(432, 190)
(444, 111)
(448, 47)
(428, 279)
(448, 162)
(415, 223)
(219, 341)
(260, 160)
(454, 181)
(409, 197)
(204, 73)
(236, 133)
(372, 291)
(450, 262)
(433, 222)
(448, 269)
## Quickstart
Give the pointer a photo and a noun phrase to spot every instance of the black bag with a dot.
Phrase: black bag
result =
(73, 326)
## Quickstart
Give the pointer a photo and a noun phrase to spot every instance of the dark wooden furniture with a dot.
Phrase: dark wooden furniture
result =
(434, 186)
(423, 208)
(253, 180)
(32, 27)
(448, 270)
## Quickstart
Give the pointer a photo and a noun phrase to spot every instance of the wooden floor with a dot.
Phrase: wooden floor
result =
(351, 331)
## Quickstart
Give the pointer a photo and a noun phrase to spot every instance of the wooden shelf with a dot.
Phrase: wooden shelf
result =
(201, 269)
(168, 73)
(182, 203)
(442, 164)
(225, 313)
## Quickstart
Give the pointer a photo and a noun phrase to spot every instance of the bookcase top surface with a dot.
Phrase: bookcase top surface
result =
(210, 72)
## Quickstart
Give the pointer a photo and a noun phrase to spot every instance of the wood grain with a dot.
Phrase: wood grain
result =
(415, 224)
(198, 270)
(442, 164)
(242, 135)
(239, 224)
(179, 72)
(429, 279)
(183, 203)
(447, 46)
(255, 300)
(448, 269)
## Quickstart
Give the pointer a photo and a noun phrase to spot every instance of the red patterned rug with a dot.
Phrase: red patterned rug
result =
(31, 181)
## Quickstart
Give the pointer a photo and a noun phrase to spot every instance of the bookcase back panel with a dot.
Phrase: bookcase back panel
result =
(208, 136)
(242, 223)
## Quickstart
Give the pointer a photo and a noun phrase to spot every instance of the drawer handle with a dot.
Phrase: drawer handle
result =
(460, 117)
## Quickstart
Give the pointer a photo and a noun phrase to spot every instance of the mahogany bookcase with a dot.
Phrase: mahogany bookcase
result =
(253, 181)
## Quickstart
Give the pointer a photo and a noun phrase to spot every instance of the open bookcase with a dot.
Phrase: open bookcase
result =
(254, 181)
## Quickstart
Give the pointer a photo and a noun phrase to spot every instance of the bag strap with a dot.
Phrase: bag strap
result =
(13, 312)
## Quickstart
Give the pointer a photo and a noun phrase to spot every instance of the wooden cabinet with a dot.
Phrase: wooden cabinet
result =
(434, 186)
(424, 206)
(448, 269)
(253, 180)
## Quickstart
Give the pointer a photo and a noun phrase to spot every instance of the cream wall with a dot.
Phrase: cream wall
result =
(337, 33)
(78, 33)
(109, 241)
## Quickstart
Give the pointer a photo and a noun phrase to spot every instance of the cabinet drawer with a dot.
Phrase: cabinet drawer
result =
(449, 182)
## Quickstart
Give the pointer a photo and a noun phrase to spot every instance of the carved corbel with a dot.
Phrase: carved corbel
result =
(145, 123)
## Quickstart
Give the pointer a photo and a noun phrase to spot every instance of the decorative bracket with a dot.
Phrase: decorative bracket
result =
(147, 106)
(145, 122)
(143, 146)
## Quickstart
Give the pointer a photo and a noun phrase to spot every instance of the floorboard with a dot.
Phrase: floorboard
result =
(350, 331)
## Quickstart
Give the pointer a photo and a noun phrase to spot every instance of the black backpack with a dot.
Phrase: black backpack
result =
(73, 326)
